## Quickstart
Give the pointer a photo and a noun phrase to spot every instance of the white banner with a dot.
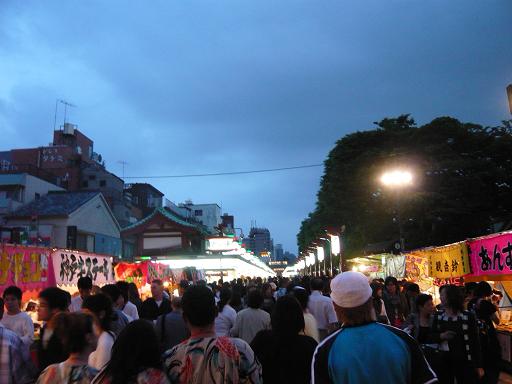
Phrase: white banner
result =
(69, 266)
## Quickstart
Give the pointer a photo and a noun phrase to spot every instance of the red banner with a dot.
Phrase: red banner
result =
(29, 268)
(132, 273)
(144, 273)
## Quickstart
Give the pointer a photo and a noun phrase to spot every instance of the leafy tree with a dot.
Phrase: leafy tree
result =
(462, 186)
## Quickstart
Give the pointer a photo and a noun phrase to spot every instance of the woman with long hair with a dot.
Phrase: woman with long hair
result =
(77, 333)
(133, 296)
(458, 332)
(284, 353)
(101, 306)
(378, 303)
(226, 315)
(135, 357)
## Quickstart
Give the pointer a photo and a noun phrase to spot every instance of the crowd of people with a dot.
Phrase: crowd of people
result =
(304, 330)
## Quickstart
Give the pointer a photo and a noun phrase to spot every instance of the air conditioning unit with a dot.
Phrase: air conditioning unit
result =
(69, 129)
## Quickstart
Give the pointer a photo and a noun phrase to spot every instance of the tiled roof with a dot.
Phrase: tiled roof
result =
(55, 204)
(12, 179)
(169, 215)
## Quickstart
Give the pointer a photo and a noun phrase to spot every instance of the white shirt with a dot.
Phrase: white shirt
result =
(311, 328)
(76, 304)
(22, 325)
(101, 355)
(321, 308)
(131, 311)
(225, 320)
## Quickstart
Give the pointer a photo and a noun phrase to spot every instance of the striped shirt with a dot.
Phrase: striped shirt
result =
(14, 363)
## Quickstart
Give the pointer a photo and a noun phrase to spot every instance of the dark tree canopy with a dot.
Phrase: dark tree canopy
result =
(462, 186)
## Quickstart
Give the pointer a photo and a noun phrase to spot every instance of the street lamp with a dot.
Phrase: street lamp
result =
(397, 179)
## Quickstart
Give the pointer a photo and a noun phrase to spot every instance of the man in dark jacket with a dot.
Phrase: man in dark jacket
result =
(156, 305)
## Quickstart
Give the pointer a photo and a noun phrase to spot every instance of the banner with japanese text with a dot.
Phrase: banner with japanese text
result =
(26, 267)
(448, 261)
(69, 266)
(492, 255)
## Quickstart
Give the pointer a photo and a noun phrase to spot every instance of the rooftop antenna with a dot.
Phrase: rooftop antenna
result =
(66, 105)
(55, 115)
(123, 163)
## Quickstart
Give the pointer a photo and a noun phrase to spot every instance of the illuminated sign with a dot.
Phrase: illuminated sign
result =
(222, 244)
(335, 244)
(320, 253)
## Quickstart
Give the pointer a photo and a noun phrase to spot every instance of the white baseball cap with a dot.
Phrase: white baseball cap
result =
(350, 289)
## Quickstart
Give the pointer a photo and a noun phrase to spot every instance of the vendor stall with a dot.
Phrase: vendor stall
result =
(26, 267)
(491, 260)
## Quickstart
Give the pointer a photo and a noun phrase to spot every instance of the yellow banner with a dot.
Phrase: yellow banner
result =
(448, 261)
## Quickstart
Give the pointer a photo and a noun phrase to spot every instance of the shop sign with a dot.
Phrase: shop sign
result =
(25, 267)
(491, 255)
(69, 266)
(447, 261)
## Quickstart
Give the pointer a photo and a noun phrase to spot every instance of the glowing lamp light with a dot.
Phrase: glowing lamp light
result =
(320, 253)
(335, 244)
(166, 284)
(311, 258)
(396, 178)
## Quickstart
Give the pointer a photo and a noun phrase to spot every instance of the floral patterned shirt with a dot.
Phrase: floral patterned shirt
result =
(212, 360)
(147, 376)
(67, 373)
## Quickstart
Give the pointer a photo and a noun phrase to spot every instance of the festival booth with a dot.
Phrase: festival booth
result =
(143, 273)
(35, 268)
(491, 261)
(27, 267)
(433, 267)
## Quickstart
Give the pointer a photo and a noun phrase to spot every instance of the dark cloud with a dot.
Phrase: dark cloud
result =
(197, 86)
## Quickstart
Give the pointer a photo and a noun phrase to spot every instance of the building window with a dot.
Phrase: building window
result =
(37, 196)
(103, 183)
(85, 184)
(198, 212)
(92, 177)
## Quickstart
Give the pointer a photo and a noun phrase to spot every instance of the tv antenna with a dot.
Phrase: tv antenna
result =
(123, 163)
(66, 105)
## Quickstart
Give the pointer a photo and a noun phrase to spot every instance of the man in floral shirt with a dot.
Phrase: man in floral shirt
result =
(204, 357)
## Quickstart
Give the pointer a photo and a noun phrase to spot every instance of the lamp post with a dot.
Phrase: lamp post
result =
(397, 180)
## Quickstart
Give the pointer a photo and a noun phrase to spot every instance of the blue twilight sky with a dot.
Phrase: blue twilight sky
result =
(175, 86)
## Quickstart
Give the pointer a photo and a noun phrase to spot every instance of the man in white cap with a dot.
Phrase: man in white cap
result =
(364, 351)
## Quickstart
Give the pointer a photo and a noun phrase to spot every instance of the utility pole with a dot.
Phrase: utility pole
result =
(509, 94)
(123, 163)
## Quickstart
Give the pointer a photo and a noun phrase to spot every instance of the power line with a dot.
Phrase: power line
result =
(225, 173)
